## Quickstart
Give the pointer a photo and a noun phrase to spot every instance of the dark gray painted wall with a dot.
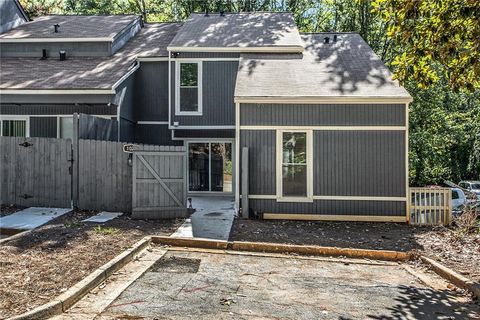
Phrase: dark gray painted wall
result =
(73, 49)
(209, 55)
(11, 15)
(261, 144)
(219, 79)
(125, 99)
(43, 127)
(151, 92)
(126, 34)
(323, 115)
(359, 163)
(57, 109)
(155, 134)
(331, 207)
(205, 133)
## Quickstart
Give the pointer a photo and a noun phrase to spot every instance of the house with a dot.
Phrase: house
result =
(325, 125)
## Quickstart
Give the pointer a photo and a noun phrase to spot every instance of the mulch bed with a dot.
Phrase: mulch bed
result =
(461, 253)
(6, 209)
(40, 265)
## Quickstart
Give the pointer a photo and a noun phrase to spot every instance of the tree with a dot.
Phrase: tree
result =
(440, 39)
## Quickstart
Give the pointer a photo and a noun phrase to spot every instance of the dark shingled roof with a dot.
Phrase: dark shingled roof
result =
(86, 73)
(71, 26)
(239, 30)
(346, 68)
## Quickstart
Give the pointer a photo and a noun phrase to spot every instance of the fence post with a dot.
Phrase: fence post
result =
(75, 158)
(245, 205)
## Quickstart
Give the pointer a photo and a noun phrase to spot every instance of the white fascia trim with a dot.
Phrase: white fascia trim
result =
(59, 91)
(327, 128)
(206, 59)
(340, 198)
(152, 59)
(53, 40)
(200, 127)
(153, 122)
(125, 76)
(265, 49)
(328, 99)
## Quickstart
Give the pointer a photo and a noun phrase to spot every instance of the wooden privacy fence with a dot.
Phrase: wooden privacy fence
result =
(90, 175)
(429, 206)
(35, 171)
(159, 183)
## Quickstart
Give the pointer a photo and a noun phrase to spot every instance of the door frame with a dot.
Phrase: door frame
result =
(215, 140)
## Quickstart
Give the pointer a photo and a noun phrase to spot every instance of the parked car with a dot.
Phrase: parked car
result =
(459, 200)
(472, 186)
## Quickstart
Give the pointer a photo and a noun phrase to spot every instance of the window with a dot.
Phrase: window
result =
(66, 127)
(188, 88)
(294, 171)
(13, 127)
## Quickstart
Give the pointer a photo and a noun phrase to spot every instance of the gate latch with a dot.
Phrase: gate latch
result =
(26, 144)
(26, 196)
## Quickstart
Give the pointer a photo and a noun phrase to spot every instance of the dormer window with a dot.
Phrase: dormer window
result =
(188, 88)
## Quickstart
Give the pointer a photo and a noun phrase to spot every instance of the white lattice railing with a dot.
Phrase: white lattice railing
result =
(430, 206)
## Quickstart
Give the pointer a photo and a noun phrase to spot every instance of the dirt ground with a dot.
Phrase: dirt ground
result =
(44, 263)
(5, 209)
(200, 285)
(459, 252)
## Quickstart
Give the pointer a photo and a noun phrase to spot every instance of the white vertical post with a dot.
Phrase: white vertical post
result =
(245, 205)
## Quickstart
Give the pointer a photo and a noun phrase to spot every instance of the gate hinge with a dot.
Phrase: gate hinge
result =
(26, 144)
(26, 196)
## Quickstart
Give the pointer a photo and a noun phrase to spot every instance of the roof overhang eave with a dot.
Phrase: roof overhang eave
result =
(56, 91)
(323, 99)
(265, 49)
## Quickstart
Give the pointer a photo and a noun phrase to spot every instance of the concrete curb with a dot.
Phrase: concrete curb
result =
(67, 299)
(283, 248)
(452, 276)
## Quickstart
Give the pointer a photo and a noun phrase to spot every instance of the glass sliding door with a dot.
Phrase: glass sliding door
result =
(210, 167)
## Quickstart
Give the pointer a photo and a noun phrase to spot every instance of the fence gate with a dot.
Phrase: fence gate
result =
(159, 183)
(35, 171)
(430, 206)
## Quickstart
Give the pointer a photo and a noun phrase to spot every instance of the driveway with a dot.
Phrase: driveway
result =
(200, 285)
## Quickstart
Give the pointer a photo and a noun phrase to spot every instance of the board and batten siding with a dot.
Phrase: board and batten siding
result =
(151, 91)
(323, 115)
(351, 162)
(57, 109)
(218, 87)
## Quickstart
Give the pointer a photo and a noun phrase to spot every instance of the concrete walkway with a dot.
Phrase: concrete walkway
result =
(31, 218)
(212, 219)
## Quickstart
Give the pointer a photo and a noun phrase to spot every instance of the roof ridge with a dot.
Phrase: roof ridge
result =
(244, 12)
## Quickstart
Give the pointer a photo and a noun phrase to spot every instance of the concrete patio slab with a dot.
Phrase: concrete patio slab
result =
(103, 216)
(212, 219)
(196, 285)
(31, 218)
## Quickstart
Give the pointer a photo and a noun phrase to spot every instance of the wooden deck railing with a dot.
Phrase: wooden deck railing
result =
(430, 206)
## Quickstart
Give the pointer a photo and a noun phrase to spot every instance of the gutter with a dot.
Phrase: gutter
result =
(322, 99)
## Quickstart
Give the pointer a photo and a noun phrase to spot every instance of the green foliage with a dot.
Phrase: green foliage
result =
(439, 39)
(105, 230)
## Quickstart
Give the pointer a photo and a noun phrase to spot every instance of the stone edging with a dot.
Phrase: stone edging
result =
(283, 248)
(76, 292)
(452, 276)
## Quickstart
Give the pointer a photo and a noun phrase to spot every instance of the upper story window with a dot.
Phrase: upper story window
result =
(188, 88)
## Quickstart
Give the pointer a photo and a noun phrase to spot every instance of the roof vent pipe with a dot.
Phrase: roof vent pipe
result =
(44, 54)
(335, 38)
(56, 26)
(326, 40)
(63, 55)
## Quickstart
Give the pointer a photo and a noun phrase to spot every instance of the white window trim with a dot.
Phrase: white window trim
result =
(279, 160)
(177, 89)
(16, 117)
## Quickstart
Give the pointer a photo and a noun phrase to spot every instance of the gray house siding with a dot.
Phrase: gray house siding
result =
(43, 127)
(218, 79)
(323, 115)
(213, 134)
(11, 15)
(155, 134)
(346, 163)
(57, 109)
(151, 92)
(331, 207)
(125, 100)
(80, 99)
